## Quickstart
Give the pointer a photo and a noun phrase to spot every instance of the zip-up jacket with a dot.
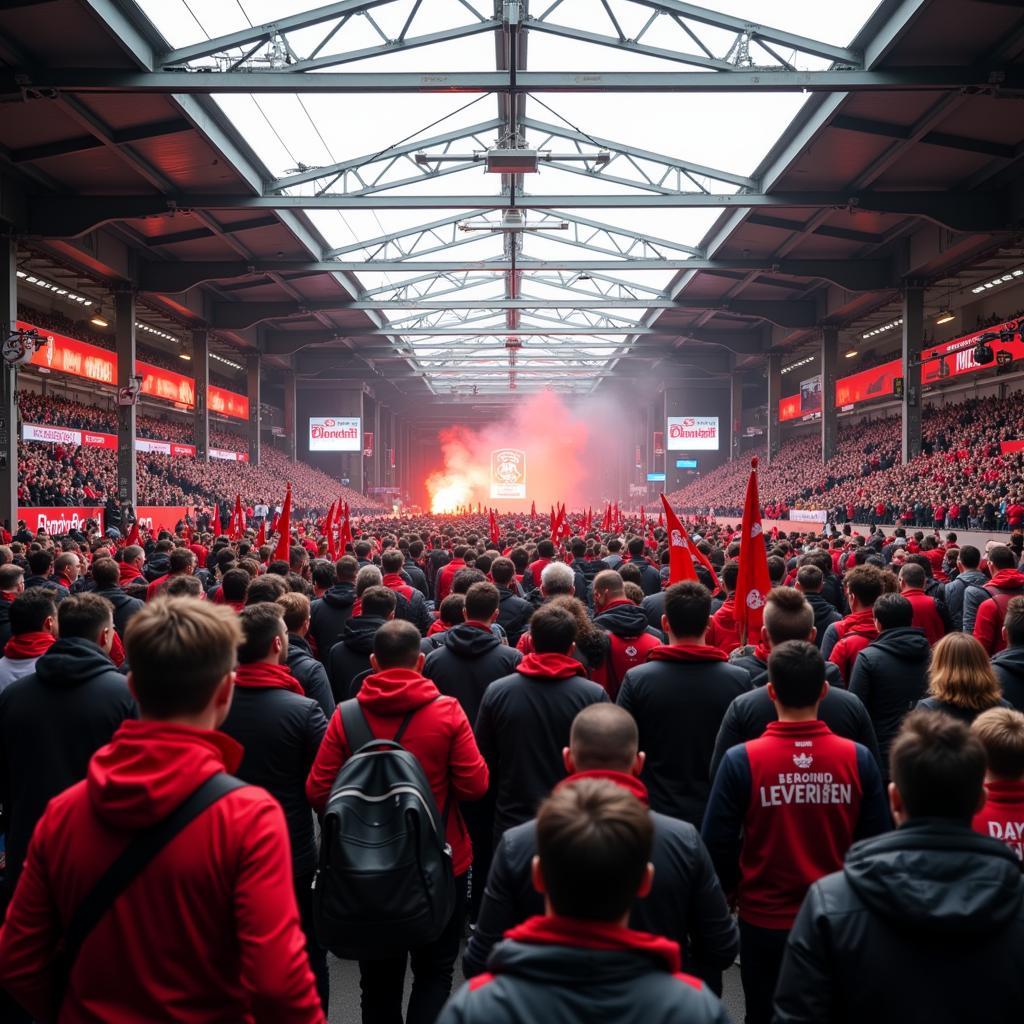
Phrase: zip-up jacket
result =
(445, 578)
(328, 615)
(955, 596)
(632, 640)
(310, 673)
(415, 608)
(350, 656)
(1008, 666)
(755, 661)
(988, 623)
(784, 810)
(513, 615)
(854, 633)
(824, 615)
(929, 615)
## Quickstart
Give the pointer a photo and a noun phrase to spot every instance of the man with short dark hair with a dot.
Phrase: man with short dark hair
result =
(723, 631)
(679, 699)
(783, 812)
(446, 573)
(545, 556)
(33, 618)
(1008, 664)
(414, 608)
(39, 564)
(810, 581)
(524, 719)
(307, 670)
(1006, 583)
(925, 923)
(221, 884)
(107, 575)
(329, 613)
(844, 640)
(514, 611)
(891, 674)
(12, 583)
(650, 578)
(54, 719)
(349, 659)
(969, 577)
(686, 903)
(280, 730)
(439, 736)
(581, 961)
(630, 639)
(180, 562)
(930, 616)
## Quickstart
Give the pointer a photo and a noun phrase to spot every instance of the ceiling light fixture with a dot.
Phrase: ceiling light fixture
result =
(851, 353)
(945, 316)
(98, 319)
(995, 282)
(882, 328)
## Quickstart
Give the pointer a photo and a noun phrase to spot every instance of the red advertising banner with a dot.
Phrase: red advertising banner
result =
(80, 359)
(161, 517)
(92, 439)
(868, 384)
(59, 520)
(1006, 447)
(368, 445)
(789, 408)
(226, 456)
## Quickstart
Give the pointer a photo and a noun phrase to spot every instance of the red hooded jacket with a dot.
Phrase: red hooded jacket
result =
(926, 614)
(988, 624)
(445, 578)
(439, 735)
(723, 630)
(1002, 817)
(129, 574)
(208, 933)
(856, 631)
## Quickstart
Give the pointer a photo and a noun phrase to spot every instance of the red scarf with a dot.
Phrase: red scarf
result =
(686, 652)
(626, 781)
(549, 666)
(8, 595)
(761, 653)
(437, 626)
(555, 930)
(28, 645)
(260, 674)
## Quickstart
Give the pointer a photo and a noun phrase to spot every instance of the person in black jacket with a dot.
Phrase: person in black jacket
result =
(1008, 664)
(787, 616)
(309, 673)
(890, 675)
(581, 961)
(686, 903)
(810, 581)
(350, 656)
(40, 563)
(53, 720)
(468, 661)
(925, 923)
(12, 583)
(524, 719)
(107, 575)
(280, 729)
(679, 699)
(514, 611)
(329, 613)
(650, 578)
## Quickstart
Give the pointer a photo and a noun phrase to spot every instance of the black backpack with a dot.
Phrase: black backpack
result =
(384, 883)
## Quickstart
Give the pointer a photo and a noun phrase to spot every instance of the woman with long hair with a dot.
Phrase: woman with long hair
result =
(591, 641)
(961, 681)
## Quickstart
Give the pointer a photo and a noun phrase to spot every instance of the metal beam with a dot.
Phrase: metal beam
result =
(83, 143)
(29, 82)
(948, 140)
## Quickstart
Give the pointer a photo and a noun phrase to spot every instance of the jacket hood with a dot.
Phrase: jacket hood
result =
(1008, 579)
(396, 691)
(1012, 658)
(470, 639)
(628, 782)
(148, 768)
(72, 662)
(127, 573)
(860, 623)
(906, 643)
(549, 666)
(340, 596)
(156, 566)
(623, 618)
(973, 578)
(687, 652)
(937, 875)
(359, 632)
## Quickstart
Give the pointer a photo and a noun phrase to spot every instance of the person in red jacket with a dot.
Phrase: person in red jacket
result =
(1006, 583)
(545, 556)
(1001, 731)
(783, 811)
(723, 630)
(209, 931)
(844, 640)
(446, 574)
(182, 563)
(439, 735)
(929, 616)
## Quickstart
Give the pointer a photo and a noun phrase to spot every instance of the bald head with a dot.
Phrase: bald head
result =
(604, 736)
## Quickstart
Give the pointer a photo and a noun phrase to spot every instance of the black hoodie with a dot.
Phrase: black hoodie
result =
(627, 620)
(922, 924)
(470, 658)
(158, 564)
(350, 656)
(890, 676)
(513, 614)
(824, 615)
(51, 723)
(1008, 666)
(328, 615)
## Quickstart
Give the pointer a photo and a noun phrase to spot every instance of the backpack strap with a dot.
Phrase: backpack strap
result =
(129, 864)
(357, 729)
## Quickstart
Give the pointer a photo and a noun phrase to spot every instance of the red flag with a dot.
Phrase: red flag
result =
(133, 536)
(329, 530)
(346, 529)
(492, 520)
(643, 520)
(237, 519)
(533, 511)
(680, 562)
(661, 520)
(284, 527)
(261, 537)
(606, 519)
(753, 582)
(217, 528)
(652, 541)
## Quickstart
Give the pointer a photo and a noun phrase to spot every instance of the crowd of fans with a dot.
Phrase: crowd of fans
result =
(961, 479)
(836, 795)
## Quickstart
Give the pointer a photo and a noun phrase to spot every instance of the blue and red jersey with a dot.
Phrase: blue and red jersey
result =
(783, 811)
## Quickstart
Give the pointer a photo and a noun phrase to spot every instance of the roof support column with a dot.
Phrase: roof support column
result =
(124, 337)
(735, 415)
(290, 421)
(774, 397)
(829, 375)
(201, 369)
(253, 365)
(913, 332)
(8, 393)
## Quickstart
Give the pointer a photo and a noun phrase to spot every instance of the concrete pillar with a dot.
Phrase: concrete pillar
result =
(290, 421)
(201, 369)
(124, 336)
(253, 365)
(735, 415)
(8, 393)
(829, 375)
(774, 397)
(378, 445)
(913, 333)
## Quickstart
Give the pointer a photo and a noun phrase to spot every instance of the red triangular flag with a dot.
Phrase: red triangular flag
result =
(493, 524)
(533, 511)
(680, 562)
(133, 536)
(284, 527)
(346, 530)
(217, 528)
(753, 582)
(261, 537)
(329, 530)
